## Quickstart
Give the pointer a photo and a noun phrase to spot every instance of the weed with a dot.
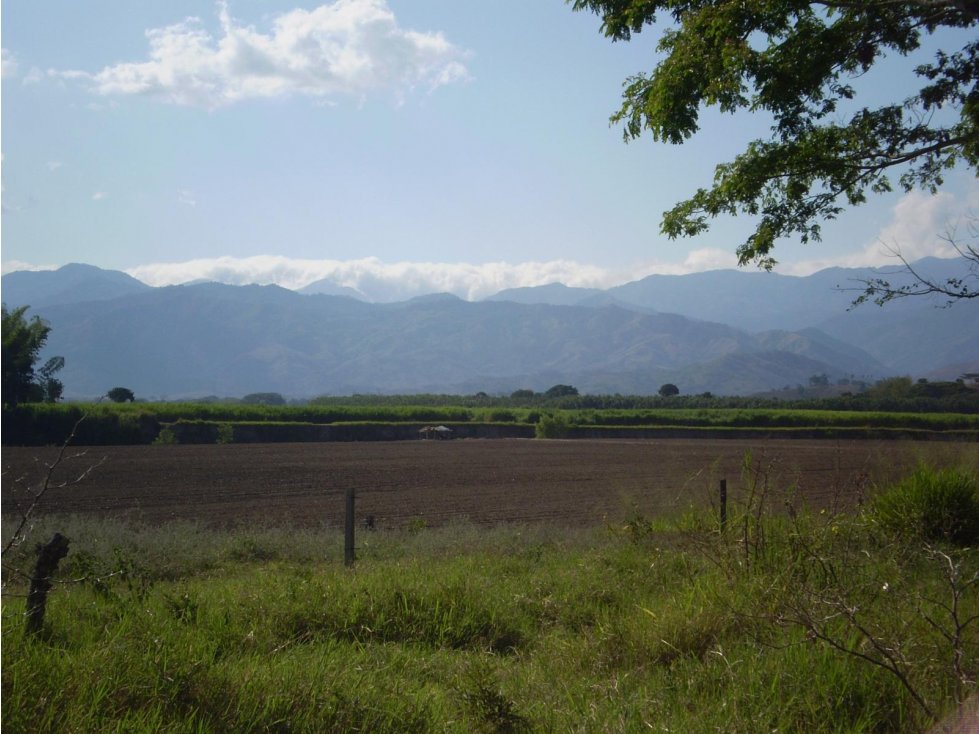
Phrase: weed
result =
(226, 433)
(552, 425)
(932, 505)
(166, 437)
(488, 704)
(416, 525)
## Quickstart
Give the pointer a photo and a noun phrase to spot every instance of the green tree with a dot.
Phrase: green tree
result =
(797, 61)
(820, 380)
(561, 391)
(121, 395)
(668, 390)
(891, 387)
(23, 340)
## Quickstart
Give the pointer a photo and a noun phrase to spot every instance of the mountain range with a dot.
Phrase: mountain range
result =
(727, 332)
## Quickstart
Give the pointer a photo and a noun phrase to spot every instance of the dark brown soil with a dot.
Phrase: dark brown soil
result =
(572, 482)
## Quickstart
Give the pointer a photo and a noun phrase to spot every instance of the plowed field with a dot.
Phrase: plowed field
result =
(577, 482)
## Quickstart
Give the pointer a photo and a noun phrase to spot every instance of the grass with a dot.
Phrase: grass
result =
(933, 505)
(655, 625)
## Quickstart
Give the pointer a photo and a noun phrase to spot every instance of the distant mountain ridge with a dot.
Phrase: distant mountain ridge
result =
(231, 340)
(204, 339)
(747, 299)
(72, 283)
(908, 336)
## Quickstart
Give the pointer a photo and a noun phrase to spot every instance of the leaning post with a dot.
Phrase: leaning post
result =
(348, 530)
(723, 503)
(48, 557)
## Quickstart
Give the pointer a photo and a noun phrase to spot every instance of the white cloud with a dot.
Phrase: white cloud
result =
(54, 165)
(99, 195)
(922, 222)
(348, 47)
(696, 261)
(34, 76)
(919, 227)
(186, 197)
(380, 281)
(10, 266)
(8, 64)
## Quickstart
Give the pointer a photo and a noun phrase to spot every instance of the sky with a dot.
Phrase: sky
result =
(430, 145)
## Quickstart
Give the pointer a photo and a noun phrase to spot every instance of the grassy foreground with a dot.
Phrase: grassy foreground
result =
(800, 623)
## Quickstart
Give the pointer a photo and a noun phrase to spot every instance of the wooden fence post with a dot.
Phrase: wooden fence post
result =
(48, 557)
(348, 528)
(723, 504)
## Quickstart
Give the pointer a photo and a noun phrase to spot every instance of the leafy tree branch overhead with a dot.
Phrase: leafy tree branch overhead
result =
(797, 61)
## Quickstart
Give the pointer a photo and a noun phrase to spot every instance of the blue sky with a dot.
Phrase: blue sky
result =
(433, 144)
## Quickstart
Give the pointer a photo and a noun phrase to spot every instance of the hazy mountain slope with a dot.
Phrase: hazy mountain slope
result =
(73, 283)
(327, 287)
(912, 338)
(761, 301)
(740, 373)
(552, 294)
(817, 345)
(227, 340)
(231, 340)
(204, 339)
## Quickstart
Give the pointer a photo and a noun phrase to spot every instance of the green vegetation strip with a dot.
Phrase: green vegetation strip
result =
(136, 423)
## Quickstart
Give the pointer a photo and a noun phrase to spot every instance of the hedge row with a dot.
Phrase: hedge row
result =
(38, 425)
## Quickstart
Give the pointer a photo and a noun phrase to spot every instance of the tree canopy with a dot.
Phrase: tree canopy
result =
(121, 395)
(561, 391)
(23, 340)
(798, 61)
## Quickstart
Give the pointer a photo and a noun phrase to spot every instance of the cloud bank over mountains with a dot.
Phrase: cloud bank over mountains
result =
(921, 226)
(351, 48)
(379, 281)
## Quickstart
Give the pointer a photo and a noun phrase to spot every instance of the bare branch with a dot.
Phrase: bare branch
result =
(46, 484)
(882, 290)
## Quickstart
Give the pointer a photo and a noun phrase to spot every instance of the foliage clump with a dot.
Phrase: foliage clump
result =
(800, 62)
(23, 341)
(552, 425)
(121, 395)
(932, 505)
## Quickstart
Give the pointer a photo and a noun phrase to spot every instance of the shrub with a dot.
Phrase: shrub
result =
(226, 433)
(552, 426)
(932, 504)
(165, 437)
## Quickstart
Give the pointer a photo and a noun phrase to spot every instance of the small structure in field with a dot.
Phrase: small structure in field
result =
(436, 433)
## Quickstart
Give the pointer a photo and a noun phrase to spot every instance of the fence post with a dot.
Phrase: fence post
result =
(723, 504)
(48, 557)
(348, 530)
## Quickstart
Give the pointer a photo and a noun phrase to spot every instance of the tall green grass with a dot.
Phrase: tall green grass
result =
(932, 505)
(658, 624)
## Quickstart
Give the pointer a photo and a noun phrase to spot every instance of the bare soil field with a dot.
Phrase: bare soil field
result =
(567, 482)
